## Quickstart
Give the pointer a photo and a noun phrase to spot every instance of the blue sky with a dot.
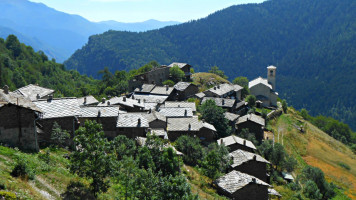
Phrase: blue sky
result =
(141, 10)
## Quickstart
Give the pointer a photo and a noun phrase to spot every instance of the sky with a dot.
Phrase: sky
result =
(141, 10)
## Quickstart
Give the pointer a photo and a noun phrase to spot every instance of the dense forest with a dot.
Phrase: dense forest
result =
(311, 43)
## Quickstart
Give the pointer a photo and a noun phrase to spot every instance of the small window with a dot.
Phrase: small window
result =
(271, 72)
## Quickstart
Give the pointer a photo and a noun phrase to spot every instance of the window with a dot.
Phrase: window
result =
(271, 72)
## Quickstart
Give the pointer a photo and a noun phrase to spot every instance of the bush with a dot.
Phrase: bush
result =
(312, 191)
(170, 83)
(344, 165)
(23, 170)
(77, 191)
(7, 195)
(191, 148)
(45, 156)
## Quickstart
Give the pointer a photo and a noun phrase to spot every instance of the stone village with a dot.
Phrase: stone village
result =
(27, 116)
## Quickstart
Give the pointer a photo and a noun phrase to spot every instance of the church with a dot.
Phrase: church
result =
(265, 89)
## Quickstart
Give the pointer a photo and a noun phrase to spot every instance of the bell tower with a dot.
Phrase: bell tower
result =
(271, 76)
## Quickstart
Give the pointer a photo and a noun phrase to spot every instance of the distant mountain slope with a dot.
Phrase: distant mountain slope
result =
(58, 34)
(310, 41)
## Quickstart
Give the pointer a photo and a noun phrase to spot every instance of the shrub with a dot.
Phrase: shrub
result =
(170, 83)
(45, 156)
(77, 191)
(7, 195)
(23, 170)
(191, 148)
(344, 165)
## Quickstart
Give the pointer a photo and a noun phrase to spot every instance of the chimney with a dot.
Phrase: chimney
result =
(99, 113)
(223, 102)
(139, 122)
(38, 96)
(254, 180)
(6, 89)
(218, 86)
(185, 112)
(150, 110)
(244, 142)
(85, 100)
(133, 96)
(124, 99)
(108, 103)
(254, 157)
(214, 87)
(50, 98)
(167, 87)
(189, 127)
(139, 100)
(221, 141)
(103, 100)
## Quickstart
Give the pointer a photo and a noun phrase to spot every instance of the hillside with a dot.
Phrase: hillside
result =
(56, 33)
(318, 149)
(309, 41)
(20, 65)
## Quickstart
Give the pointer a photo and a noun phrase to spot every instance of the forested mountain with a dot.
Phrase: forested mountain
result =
(310, 41)
(56, 33)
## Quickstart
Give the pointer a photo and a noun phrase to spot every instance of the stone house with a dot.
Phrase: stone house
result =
(235, 143)
(64, 111)
(240, 186)
(107, 116)
(249, 163)
(225, 91)
(18, 119)
(254, 123)
(191, 126)
(265, 89)
(227, 104)
(87, 101)
(34, 92)
(232, 118)
(128, 104)
(132, 125)
(184, 67)
(185, 90)
(156, 76)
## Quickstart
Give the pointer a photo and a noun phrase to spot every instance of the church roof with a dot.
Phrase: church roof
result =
(259, 80)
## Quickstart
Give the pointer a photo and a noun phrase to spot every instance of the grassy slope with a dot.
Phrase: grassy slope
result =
(206, 80)
(50, 181)
(318, 149)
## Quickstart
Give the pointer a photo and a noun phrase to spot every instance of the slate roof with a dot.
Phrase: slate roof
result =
(200, 95)
(287, 176)
(90, 100)
(176, 112)
(230, 140)
(259, 80)
(251, 117)
(17, 99)
(130, 120)
(273, 192)
(224, 88)
(180, 65)
(30, 91)
(151, 98)
(110, 111)
(58, 108)
(154, 115)
(162, 90)
(182, 104)
(145, 88)
(124, 101)
(150, 106)
(181, 86)
(235, 180)
(240, 156)
(231, 116)
(159, 132)
(182, 124)
(221, 102)
(239, 104)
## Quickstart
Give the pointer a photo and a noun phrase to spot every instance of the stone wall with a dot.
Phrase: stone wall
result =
(17, 127)
(251, 191)
(131, 132)
(253, 168)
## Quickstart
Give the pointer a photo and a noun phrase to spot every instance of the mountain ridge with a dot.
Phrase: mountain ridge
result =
(69, 32)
